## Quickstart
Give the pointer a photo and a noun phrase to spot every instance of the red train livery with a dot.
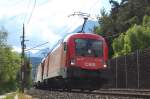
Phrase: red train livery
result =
(79, 55)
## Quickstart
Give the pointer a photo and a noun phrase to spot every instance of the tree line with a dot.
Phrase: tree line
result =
(10, 67)
(127, 26)
(9, 64)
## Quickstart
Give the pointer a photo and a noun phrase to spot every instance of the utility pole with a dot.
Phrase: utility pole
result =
(23, 61)
(85, 16)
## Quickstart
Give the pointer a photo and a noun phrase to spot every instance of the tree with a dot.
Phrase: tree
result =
(3, 37)
(9, 64)
(122, 16)
(136, 37)
(118, 45)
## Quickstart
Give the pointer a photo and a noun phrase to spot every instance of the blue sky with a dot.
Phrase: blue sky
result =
(48, 21)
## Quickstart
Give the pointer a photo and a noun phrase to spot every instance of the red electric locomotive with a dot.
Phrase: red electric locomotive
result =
(77, 56)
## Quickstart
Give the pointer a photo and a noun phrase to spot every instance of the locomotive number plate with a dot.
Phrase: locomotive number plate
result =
(90, 64)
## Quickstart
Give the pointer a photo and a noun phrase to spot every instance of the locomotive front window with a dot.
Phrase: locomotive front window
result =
(88, 47)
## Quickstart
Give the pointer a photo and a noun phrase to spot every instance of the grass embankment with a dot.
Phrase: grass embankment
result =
(17, 95)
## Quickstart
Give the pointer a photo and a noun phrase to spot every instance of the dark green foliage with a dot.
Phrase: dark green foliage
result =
(118, 45)
(3, 37)
(128, 13)
(122, 16)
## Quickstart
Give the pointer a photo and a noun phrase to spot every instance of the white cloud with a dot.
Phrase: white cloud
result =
(50, 35)
(9, 9)
(55, 13)
(17, 49)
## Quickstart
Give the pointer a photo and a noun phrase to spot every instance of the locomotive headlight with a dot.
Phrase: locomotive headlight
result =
(105, 65)
(72, 62)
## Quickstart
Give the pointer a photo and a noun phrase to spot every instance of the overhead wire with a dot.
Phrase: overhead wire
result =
(70, 26)
(27, 20)
(25, 17)
(93, 4)
(27, 7)
(36, 46)
(31, 12)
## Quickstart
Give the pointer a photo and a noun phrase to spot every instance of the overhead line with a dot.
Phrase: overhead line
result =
(37, 46)
(32, 12)
(26, 11)
(93, 4)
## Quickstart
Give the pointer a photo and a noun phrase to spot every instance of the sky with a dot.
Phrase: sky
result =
(44, 20)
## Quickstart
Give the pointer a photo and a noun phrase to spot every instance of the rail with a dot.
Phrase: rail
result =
(131, 93)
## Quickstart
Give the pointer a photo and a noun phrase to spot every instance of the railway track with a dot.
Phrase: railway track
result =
(140, 93)
(129, 90)
(125, 92)
(96, 94)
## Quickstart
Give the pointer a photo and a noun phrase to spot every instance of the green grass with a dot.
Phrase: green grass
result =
(20, 96)
(11, 96)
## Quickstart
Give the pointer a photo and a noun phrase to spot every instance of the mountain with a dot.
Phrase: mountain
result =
(34, 61)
